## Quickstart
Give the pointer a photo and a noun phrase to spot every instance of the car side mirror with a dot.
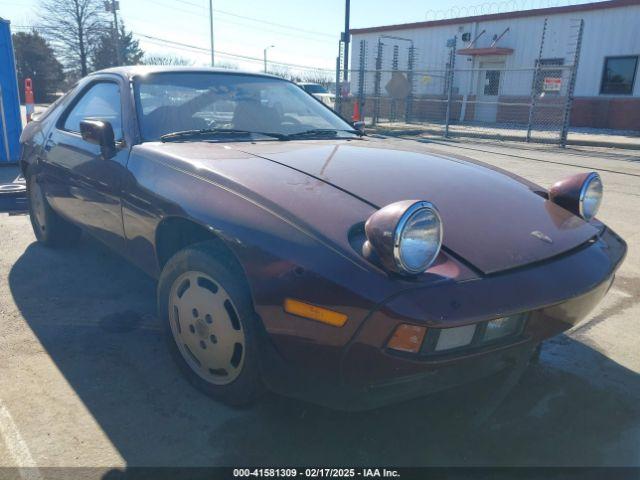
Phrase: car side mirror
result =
(359, 125)
(99, 132)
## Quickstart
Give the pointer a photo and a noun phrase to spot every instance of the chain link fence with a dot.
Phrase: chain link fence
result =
(488, 102)
(393, 86)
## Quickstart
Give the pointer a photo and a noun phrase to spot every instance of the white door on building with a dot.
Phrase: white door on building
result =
(489, 77)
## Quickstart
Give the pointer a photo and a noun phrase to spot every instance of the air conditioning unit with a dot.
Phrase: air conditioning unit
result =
(466, 37)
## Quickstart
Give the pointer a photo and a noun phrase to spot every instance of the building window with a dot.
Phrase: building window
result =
(549, 81)
(618, 75)
(492, 82)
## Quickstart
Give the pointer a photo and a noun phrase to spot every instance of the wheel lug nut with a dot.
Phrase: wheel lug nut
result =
(213, 338)
(208, 319)
(195, 313)
(203, 345)
(192, 329)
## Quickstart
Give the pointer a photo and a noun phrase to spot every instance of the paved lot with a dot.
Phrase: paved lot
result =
(593, 137)
(86, 380)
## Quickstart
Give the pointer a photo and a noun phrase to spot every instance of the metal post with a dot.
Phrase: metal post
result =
(571, 88)
(394, 68)
(452, 64)
(338, 104)
(534, 82)
(347, 34)
(376, 83)
(211, 32)
(408, 110)
(361, 77)
(339, 83)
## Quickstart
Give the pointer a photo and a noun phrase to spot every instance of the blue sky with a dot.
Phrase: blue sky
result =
(246, 27)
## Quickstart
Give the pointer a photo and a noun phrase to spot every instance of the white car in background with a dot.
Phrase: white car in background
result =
(320, 92)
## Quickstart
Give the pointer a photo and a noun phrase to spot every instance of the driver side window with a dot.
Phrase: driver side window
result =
(100, 102)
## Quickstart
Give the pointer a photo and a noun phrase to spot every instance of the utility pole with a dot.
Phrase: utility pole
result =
(211, 31)
(113, 6)
(347, 35)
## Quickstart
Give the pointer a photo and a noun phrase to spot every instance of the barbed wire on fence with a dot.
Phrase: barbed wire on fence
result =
(488, 8)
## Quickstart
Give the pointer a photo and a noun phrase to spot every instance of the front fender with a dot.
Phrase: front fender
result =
(288, 231)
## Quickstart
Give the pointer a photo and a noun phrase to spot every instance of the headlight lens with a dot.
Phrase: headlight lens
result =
(590, 196)
(418, 238)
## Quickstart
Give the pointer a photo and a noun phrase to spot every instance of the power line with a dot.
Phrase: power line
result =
(190, 3)
(313, 32)
(267, 29)
(244, 17)
(227, 54)
(190, 47)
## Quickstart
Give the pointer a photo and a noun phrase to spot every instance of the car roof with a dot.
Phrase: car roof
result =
(132, 71)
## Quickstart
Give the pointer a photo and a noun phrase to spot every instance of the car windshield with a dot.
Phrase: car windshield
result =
(314, 88)
(222, 105)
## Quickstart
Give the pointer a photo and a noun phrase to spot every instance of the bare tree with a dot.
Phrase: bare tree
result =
(227, 65)
(166, 60)
(281, 71)
(73, 28)
(319, 76)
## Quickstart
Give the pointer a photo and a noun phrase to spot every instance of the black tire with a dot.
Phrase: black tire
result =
(49, 228)
(247, 386)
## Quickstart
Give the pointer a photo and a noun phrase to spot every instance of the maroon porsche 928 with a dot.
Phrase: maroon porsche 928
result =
(294, 252)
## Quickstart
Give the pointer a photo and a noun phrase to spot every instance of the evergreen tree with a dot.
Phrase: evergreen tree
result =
(35, 59)
(105, 56)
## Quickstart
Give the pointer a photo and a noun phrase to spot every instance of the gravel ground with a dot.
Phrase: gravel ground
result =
(87, 381)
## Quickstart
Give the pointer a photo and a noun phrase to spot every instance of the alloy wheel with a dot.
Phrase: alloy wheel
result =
(206, 327)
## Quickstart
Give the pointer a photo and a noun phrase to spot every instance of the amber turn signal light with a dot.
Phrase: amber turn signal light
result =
(407, 338)
(313, 312)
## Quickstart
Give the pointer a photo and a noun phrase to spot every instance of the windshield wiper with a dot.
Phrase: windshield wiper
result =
(186, 134)
(321, 132)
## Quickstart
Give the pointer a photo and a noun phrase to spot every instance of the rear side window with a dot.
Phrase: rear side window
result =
(100, 102)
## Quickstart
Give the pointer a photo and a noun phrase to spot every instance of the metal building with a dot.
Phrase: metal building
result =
(10, 121)
(503, 60)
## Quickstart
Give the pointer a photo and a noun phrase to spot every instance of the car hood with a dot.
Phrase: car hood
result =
(490, 219)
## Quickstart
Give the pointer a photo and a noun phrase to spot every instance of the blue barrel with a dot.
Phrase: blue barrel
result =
(10, 121)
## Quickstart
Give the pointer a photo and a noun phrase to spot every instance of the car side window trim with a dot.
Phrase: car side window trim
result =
(60, 123)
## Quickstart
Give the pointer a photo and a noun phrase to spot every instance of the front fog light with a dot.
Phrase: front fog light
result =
(455, 337)
(502, 327)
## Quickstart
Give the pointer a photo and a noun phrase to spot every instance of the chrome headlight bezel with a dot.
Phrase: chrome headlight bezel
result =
(593, 177)
(413, 210)
(572, 192)
(385, 230)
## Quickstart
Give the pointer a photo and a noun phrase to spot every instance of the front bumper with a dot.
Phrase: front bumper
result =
(557, 294)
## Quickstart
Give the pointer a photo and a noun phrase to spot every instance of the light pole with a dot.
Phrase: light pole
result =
(211, 31)
(265, 57)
